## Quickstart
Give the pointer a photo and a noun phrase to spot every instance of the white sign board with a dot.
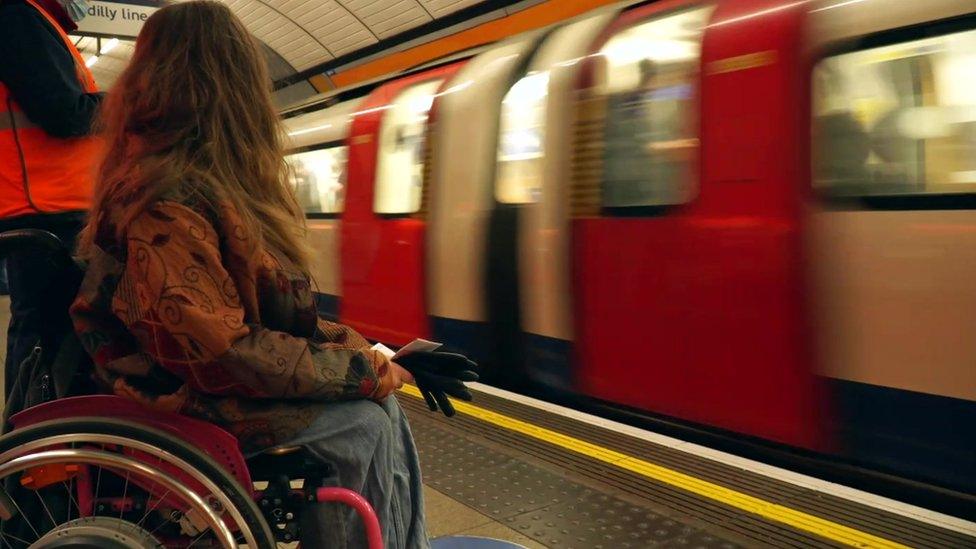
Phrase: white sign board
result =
(114, 19)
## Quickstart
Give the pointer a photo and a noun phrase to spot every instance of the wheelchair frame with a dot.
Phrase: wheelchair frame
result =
(193, 458)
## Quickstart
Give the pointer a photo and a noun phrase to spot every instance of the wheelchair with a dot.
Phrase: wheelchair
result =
(101, 471)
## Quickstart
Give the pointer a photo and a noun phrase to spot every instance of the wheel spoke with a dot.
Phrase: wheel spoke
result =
(20, 512)
(152, 488)
(196, 539)
(125, 492)
(153, 507)
(158, 526)
(6, 535)
(37, 493)
(70, 488)
(98, 482)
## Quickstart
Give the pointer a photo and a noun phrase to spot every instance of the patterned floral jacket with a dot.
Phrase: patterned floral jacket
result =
(185, 314)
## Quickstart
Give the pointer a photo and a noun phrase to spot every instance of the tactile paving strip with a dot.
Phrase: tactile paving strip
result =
(441, 453)
(600, 521)
(512, 489)
(544, 503)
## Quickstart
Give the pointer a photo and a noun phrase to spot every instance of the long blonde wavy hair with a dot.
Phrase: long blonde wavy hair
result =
(192, 116)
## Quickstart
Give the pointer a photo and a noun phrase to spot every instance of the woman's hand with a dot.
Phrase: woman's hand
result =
(398, 375)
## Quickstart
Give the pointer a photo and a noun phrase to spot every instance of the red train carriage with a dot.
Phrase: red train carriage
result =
(382, 250)
(629, 206)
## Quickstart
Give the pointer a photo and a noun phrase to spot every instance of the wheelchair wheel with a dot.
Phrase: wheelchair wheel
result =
(92, 482)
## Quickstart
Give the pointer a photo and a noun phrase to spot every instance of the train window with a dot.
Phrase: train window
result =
(650, 75)
(400, 167)
(897, 120)
(520, 142)
(319, 179)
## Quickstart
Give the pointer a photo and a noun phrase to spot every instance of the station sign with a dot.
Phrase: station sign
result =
(118, 19)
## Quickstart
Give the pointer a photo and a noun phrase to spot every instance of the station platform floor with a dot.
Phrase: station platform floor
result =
(562, 479)
(512, 468)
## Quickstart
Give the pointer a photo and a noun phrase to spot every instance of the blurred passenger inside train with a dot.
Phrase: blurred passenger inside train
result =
(304, 182)
(48, 100)
(841, 145)
(645, 140)
(197, 297)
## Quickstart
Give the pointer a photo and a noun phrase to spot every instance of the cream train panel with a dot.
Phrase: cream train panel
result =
(323, 237)
(544, 241)
(318, 127)
(833, 20)
(465, 134)
(325, 133)
(896, 299)
(893, 290)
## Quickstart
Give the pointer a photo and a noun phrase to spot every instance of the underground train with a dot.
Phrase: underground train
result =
(754, 217)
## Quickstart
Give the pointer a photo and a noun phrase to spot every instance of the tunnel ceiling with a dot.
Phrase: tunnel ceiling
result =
(306, 33)
(301, 34)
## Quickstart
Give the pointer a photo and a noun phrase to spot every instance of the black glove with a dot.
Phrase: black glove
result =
(439, 375)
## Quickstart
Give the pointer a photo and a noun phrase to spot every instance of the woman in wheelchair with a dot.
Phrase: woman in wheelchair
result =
(197, 297)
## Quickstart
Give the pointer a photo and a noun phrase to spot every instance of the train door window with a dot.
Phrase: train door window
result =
(898, 119)
(520, 142)
(400, 166)
(319, 179)
(650, 75)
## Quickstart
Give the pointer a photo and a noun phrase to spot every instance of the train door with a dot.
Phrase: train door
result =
(464, 141)
(686, 241)
(528, 262)
(317, 153)
(894, 232)
(382, 246)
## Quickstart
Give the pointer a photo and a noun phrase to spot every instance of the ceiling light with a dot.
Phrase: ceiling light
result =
(109, 46)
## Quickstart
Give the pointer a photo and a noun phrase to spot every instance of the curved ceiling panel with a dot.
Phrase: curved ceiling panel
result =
(330, 23)
(440, 8)
(306, 33)
(389, 17)
(281, 33)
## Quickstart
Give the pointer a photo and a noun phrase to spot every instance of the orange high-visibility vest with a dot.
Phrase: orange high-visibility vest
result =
(40, 173)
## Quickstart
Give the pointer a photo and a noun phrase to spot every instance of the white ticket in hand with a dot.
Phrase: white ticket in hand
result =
(417, 345)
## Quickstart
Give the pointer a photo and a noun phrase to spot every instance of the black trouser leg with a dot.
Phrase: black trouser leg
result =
(29, 276)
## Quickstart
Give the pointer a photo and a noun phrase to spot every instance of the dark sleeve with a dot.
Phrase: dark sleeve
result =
(40, 74)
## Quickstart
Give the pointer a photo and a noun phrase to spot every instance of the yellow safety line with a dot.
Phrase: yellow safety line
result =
(766, 509)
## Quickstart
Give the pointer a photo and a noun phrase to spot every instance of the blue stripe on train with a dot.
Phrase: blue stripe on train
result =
(549, 361)
(327, 306)
(916, 435)
(472, 338)
(547, 358)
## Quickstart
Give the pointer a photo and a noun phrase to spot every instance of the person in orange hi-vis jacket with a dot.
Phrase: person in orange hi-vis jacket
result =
(48, 101)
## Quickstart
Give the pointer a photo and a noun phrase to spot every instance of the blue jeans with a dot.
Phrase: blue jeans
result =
(371, 449)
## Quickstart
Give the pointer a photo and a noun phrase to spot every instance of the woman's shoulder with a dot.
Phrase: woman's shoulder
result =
(199, 221)
(127, 217)
(191, 207)
(168, 216)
